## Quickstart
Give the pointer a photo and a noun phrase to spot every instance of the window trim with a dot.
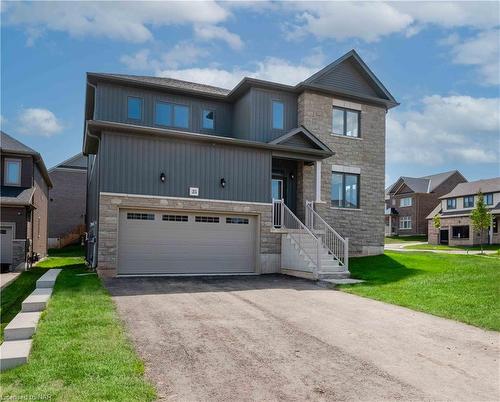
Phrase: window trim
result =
(273, 101)
(405, 198)
(203, 118)
(5, 176)
(142, 108)
(466, 197)
(358, 190)
(485, 198)
(172, 114)
(345, 110)
(406, 219)
(451, 199)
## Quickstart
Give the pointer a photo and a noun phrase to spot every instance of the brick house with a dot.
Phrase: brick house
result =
(67, 201)
(25, 185)
(455, 208)
(410, 200)
(187, 178)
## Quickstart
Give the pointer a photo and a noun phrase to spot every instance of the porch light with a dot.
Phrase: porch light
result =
(162, 177)
(292, 176)
(223, 182)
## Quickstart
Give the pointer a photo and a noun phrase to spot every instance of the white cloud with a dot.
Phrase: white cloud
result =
(211, 32)
(271, 69)
(36, 121)
(482, 51)
(452, 129)
(129, 21)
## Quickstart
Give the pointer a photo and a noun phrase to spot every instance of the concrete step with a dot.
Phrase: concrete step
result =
(333, 275)
(14, 353)
(36, 301)
(22, 326)
(48, 279)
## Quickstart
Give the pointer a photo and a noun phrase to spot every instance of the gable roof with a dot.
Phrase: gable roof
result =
(9, 144)
(78, 162)
(301, 137)
(473, 187)
(349, 67)
(425, 184)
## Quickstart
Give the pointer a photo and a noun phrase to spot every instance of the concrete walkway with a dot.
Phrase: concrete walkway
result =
(276, 338)
(7, 278)
(402, 247)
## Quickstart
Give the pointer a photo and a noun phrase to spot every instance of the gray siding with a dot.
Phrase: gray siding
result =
(132, 164)
(111, 105)
(242, 116)
(347, 76)
(299, 141)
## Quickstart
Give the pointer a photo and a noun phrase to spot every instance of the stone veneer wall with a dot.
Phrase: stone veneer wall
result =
(110, 204)
(474, 236)
(363, 226)
(18, 254)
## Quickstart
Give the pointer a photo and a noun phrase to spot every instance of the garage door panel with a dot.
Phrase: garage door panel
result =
(186, 247)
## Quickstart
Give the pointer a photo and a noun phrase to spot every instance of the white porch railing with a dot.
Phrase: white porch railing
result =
(335, 243)
(285, 219)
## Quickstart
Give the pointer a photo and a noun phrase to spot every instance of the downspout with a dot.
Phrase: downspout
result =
(96, 230)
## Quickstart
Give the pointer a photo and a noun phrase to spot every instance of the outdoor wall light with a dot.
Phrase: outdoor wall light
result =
(292, 176)
(162, 177)
(223, 182)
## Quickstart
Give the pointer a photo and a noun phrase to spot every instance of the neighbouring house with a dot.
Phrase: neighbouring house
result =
(410, 199)
(25, 185)
(67, 202)
(185, 178)
(454, 209)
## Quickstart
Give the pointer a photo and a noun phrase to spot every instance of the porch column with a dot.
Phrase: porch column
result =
(317, 176)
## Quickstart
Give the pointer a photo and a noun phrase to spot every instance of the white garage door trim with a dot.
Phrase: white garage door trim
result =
(166, 217)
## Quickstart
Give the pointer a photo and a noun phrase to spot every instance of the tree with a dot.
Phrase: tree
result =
(480, 217)
(437, 224)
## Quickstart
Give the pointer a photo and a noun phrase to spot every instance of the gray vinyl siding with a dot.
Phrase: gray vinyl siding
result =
(111, 105)
(346, 76)
(242, 116)
(300, 142)
(132, 164)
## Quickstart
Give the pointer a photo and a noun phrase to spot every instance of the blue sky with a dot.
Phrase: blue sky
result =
(439, 59)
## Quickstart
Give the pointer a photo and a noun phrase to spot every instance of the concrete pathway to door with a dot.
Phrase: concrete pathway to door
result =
(281, 338)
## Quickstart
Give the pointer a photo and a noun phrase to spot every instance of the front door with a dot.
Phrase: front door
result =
(443, 236)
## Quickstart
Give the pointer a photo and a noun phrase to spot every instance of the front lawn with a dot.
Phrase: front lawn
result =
(80, 351)
(445, 247)
(403, 239)
(460, 287)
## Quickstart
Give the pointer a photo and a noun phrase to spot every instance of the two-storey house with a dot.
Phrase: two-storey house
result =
(410, 199)
(25, 185)
(185, 178)
(455, 209)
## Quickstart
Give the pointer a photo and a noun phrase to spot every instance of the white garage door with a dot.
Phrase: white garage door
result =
(159, 242)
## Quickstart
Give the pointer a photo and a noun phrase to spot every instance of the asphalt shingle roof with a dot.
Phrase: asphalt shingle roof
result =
(425, 184)
(16, 195)
(473, 187)
(10, 144)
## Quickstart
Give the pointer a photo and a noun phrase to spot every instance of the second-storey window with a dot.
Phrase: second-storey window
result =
(208, 119)
(278, 115)
(405, 202)
(12, 175)
(345, 122)
(451, 203)
(134, 108)
(345, 190)
(488, 199)
(171, 114)
(469, 201)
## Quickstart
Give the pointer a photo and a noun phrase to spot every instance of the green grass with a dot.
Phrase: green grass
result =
(445, 247)
(80, 351)
(403, 239)
(461, 287)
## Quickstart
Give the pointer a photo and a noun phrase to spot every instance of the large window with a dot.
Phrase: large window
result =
(405, 202)
(345, 122)
(12, 172)
(170, 114)
(405, 222)
(345, 190)
(278, 115)
(469, 201)
(134, 108)
(460, 232)
(488, 199)
(208, 118)
(451, 203)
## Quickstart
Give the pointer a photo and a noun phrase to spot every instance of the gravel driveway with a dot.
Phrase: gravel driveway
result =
(281, 338)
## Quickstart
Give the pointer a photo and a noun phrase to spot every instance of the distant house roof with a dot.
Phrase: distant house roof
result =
(425, 184)
(9, 144)
(474, 187)
(16, 196)
(77, 162)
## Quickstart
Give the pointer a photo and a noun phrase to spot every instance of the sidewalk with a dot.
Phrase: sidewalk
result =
(401, 247)
(7, 278)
